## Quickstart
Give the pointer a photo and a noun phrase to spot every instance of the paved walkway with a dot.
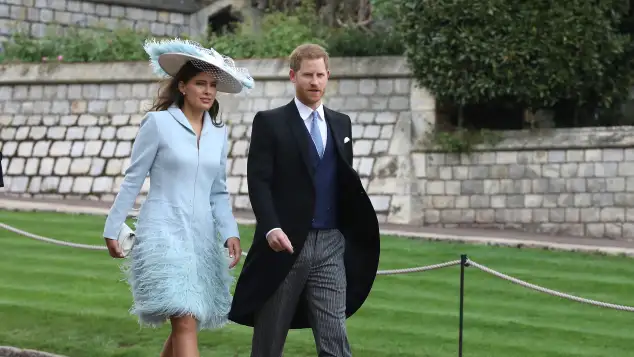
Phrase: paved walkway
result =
(480, 236)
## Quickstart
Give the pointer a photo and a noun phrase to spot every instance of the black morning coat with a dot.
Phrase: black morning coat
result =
(281, 191)
(1, 174)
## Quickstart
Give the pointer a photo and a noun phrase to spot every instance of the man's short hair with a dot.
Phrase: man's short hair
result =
(307, 51)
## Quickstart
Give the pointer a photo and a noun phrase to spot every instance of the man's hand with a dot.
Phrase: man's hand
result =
(113, 248)
(278, 241)
(235, 252)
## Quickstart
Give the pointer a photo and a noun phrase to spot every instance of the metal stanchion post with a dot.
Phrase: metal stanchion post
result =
(463, 264)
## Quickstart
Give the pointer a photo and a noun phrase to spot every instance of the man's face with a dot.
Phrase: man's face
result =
(310, 81)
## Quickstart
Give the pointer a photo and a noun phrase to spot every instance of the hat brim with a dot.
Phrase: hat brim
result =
(171, 63)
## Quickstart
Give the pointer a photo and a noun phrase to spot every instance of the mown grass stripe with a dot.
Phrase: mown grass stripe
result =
(73, 302)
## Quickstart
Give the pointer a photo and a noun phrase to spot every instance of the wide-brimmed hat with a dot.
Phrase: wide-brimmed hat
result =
(167, 57)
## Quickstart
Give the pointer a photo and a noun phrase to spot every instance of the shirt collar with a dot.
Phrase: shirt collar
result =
(305, 111)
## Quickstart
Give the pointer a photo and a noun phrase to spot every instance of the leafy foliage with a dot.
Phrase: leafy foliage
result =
(77, 45)
(533, 53)
(276, 36)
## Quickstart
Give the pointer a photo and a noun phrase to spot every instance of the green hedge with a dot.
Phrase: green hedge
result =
(527, 52)
(278, 35)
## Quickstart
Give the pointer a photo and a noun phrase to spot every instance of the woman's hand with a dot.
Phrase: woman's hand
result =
(235, 252)
(113, 248)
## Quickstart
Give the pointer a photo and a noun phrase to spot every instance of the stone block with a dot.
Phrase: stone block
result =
(7, 133)
(593, 155)
(613, 154)
(34, 120)
(18, 184)
(41, 148)
(75, 133)
(82, 185)
(365, 166)
(102, 184)
(613, 230)
(108, 133)
(239, 167)
(240, 148)
(381, 203)
(625, 168)
(398, 103)
(114, 167)
(97, 167)
(60, 148)
(126, 133)
(387, 131)
(49, 184)
(80, 166)
(379, 104)
(380, 147)
(22, 133)
(402, 86)
(595, 230)
(557, 156)
(92, 133)
(124, 148)
(613, 214)
(233, 185)
(77, 149)
(25, 148)
(506, 157)
(472, 187)
(435, 187)
(362, 147)
(372, 132)
(34, 184)
(108, 149)
(355, 103)
(62, 166)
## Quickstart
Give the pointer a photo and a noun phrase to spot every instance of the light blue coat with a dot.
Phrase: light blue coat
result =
(178, 264)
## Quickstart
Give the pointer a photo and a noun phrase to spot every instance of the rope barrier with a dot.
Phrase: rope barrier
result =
(51, 240)
(469, 263)
(548, 291)
(418, 269)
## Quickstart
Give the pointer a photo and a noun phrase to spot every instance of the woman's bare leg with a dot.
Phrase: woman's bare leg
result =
(184, 337)
(168, 349)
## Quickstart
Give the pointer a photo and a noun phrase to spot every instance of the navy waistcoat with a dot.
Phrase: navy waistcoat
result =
(325, 178)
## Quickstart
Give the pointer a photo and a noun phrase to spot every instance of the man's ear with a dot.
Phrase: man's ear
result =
(292, 75)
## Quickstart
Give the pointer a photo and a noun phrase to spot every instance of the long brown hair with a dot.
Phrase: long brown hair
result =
(170, 93)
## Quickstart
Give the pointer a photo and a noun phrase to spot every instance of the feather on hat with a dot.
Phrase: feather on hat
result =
(168, 56)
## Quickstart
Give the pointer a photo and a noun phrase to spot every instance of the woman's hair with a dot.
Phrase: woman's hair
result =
(170, 93)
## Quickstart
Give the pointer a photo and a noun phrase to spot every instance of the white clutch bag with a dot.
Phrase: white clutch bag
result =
(126, 239)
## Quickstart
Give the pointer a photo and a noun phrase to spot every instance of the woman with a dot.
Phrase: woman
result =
(177, 269)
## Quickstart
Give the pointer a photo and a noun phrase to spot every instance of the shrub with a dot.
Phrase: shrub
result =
(362, 42)
(533, 53)
(277, 36)
(77, 45)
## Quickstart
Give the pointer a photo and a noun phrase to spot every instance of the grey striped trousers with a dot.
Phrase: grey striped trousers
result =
(320, 269)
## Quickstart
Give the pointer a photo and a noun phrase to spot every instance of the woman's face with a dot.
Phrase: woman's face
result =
(200, 91)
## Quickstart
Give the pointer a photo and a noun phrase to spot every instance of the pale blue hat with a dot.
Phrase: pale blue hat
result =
(168, 56)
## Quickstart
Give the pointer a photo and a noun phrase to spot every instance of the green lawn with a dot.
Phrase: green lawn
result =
(72, 301)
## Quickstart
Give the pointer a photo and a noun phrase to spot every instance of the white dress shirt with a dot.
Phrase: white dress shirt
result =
(305, 112)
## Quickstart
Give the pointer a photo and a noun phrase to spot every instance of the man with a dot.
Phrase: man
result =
(315, 251)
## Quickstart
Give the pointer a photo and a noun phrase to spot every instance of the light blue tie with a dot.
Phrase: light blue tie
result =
(316, 135)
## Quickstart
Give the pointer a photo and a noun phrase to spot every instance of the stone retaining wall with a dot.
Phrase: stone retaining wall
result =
(67, 130)
(572, 182)
(36, 16)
